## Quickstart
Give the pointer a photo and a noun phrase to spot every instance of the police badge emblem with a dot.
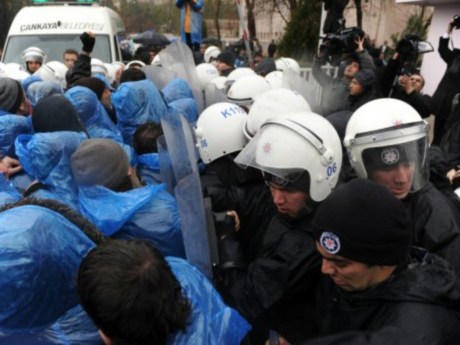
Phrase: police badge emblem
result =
(330, 242)
(390, 156)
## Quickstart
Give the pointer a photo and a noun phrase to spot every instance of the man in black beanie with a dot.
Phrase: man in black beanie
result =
(376, 289)
(362, 88)
(225, 63)
(12, 98)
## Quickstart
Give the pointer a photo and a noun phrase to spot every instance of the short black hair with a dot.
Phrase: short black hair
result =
(145, 138)
(132, 74)
(131, 293)
(70, 51)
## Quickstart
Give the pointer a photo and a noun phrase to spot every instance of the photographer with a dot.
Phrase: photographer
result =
(408, 87)
(449, 84)
(335, 90)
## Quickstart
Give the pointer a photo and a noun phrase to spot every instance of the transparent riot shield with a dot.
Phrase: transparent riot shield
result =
(159, 76)
(295, 82)
(178, 57)
(182, 154)
(213, 95)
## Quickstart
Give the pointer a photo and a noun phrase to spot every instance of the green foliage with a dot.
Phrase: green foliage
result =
(301, 38)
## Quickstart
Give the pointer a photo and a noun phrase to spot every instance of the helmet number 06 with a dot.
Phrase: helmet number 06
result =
(331, 169)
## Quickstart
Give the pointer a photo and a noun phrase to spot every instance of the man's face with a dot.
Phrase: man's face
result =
(69, 60)
(355, 87)
(347, 274)
(289, 202)
(417, 82)
(398, 179)
(222, 66)
(203, 48)
(351, 69)
(33, 66)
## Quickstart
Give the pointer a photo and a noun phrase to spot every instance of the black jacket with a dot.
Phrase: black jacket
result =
(436, 224)
(447, 87)
(272, 291)
(255, 208)
(420, 102)
(412, 307)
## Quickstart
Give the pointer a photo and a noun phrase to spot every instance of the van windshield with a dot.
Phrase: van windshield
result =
(54, 46)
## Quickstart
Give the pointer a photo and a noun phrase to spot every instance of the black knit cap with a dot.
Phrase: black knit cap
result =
(56, 113)
(364, 222)
(226, 57)
(11, 95)
(92, 83)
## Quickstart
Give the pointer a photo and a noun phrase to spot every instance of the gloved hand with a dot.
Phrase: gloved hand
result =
(88, 41)
(226, 224)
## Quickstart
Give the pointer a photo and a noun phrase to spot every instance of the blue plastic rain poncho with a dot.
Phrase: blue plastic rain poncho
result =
(179, 97)
(10, 127)
(187, 107)
(191, 19)
(46, 157)
(92, 114)
(8, 191)
(212, 322)
(149, 213)
(136, 103)
(26, 83)
(177, 89)
(95, 118)
(40, 89)
(148, 168)
(39, 260)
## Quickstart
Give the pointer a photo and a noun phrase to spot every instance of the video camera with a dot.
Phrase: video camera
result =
(411, 46)
(343, 42)
(456, 22)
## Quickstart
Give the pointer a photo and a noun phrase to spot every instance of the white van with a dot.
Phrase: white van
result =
(57, 27)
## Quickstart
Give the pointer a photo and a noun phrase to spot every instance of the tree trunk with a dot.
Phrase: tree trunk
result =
(216, 17)
(251, 18)
(359, 13)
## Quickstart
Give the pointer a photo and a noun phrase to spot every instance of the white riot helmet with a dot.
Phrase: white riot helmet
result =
(273, 103)
(111, 72)
(211, 54)
(134, 63)
(53, 71)
(301, 151)
(33, 54)
(275, 79)
(219, 131)
(206, 72)
(98, 67)
(236, 74)
(285, 63)
(244, 91)
(385, 133)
